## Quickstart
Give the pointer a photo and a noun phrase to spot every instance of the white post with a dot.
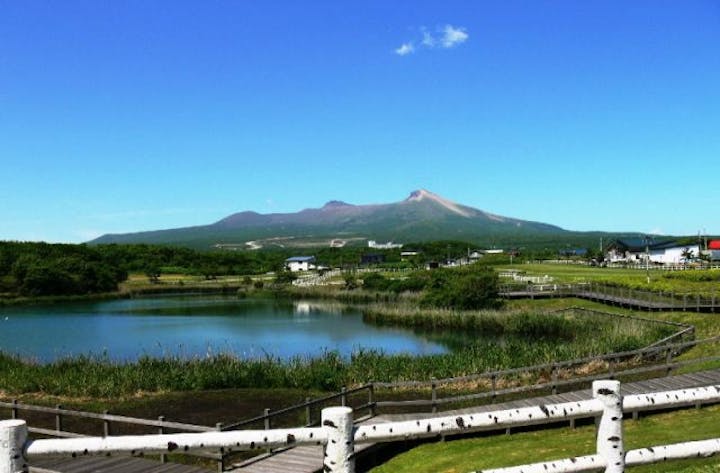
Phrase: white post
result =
(340, 448)
(13, 435)
(610, 431)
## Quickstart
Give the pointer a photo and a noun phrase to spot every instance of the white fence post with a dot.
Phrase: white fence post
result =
(13, 435)
(340, 448)
(610, 432)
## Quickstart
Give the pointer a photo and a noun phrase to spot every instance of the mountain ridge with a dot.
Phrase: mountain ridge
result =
(422, 216)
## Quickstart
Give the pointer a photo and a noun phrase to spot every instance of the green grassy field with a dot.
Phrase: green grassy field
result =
(573, 273)
(466, 455)
(704, 282)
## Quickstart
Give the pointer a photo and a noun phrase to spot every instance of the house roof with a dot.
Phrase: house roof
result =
(300, 259)
(714, 245)
(639, 244)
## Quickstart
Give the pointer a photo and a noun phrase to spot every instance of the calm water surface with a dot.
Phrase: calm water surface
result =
(195, 326)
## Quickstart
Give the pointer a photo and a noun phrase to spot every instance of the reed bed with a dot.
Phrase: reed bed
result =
(530, 325)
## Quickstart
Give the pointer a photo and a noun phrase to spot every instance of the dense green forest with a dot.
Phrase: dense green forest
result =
(42, 269)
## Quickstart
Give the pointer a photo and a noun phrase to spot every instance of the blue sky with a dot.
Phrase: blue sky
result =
(141, 115)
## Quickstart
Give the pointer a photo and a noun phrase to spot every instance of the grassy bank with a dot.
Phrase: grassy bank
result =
(536, 446)
(96, 377)
(11, 300)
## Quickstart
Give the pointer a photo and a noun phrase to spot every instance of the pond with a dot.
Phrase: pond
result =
(190, 326)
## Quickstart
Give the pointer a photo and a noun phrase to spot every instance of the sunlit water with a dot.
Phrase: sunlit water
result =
(191, 326)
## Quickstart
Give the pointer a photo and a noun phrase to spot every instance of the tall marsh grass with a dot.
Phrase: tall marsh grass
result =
(531, 326)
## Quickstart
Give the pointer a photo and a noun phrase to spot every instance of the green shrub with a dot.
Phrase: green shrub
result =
(467, 289)
(375, 282)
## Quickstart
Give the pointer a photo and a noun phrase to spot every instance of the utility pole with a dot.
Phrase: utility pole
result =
(647, 258)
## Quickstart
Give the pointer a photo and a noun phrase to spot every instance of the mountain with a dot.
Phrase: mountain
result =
(422, 216)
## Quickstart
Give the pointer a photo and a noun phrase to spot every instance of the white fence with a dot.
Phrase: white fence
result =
(338, 435)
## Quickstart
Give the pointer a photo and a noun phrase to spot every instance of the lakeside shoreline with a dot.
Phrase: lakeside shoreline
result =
(128, 293)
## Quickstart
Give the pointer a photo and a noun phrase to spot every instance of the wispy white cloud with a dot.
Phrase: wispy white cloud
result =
(452, 36)
(405, 49)
(445, 37)
(428, 40)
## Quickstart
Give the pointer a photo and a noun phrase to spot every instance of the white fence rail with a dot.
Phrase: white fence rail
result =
(338, 435)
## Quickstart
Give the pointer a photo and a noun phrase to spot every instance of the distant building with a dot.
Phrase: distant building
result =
(384, 246)
(640, 250)
(300, 263)
(407, 254)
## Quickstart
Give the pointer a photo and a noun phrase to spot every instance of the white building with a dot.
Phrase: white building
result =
(383, 246)
(300, 263)
(638, 251)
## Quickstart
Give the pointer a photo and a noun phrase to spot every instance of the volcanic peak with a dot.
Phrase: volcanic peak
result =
(422, 195)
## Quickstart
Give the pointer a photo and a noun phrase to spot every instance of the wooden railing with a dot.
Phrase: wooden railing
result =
(310, 409)
(359, 399)
(108, 423)
(338, 435)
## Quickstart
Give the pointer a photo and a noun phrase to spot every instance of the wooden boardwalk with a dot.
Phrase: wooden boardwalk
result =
(309, 459)
(108, 465)
(638, 300)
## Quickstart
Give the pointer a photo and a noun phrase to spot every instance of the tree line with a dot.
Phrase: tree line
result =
(44, 269)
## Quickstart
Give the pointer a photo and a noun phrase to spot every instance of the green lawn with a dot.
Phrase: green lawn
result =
(690, 281)
(466, 455)
(573, 273)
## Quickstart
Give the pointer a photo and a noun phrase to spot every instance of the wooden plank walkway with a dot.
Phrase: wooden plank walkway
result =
(309, 459)
(108, 465)
(649, 302)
